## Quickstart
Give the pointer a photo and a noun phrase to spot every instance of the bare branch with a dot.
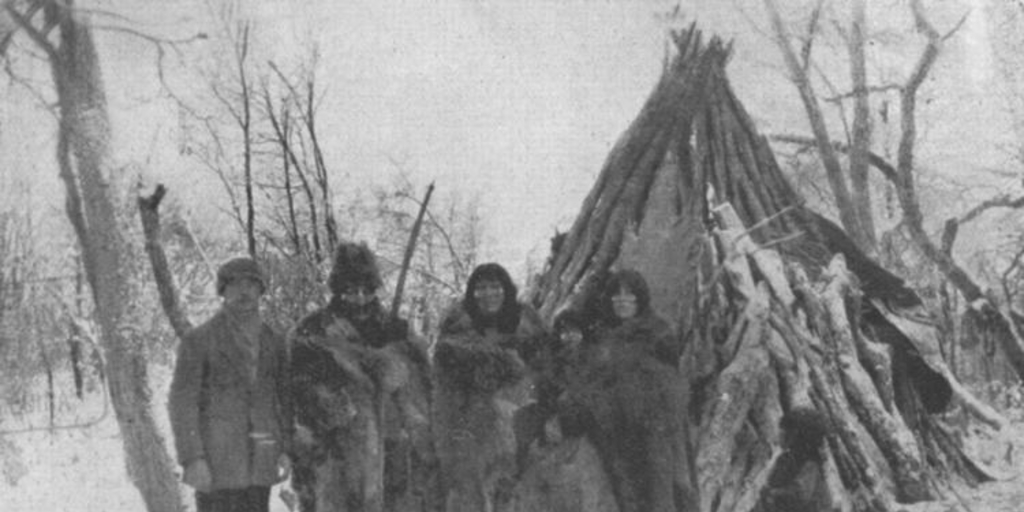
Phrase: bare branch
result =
(1007, 294)
(1002, 201)
(282, 132)
(158, 41)
(738, 7)
(876, 161)
(282, 129)
(307, 106)
(423, 273)
(17, 79)
(869, 89)
(149, 212)
(24, 21)
(453, 253)
(812, 29)
(840, 107)
(963, 19)
(949, 232)
(833, 170)
(908, 124)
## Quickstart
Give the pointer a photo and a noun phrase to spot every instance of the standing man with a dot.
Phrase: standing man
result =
(228, 399)
(360, 383)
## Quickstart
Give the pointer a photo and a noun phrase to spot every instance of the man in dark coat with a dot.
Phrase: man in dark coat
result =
(228, 401)
(361, 386)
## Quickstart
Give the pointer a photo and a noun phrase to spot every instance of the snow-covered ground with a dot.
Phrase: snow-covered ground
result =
(83, 470)
(79, 469)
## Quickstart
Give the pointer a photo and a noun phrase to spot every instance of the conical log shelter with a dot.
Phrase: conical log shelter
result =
(776, 307)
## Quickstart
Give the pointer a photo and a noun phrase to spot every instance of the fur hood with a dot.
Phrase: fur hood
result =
(458, 321)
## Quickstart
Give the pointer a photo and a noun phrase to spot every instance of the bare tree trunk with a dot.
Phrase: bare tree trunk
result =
(149, 212)
(330, 224)
(83, 153)
(861, 143)
(913, 219)
(244, 120)
(844, 203)
(283, 131)
(306, 106)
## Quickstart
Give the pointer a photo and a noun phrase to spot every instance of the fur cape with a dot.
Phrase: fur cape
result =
(357, 387)
(479, 383)
(631, 404)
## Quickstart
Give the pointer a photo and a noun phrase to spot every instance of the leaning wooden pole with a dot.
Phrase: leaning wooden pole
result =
(410, 249)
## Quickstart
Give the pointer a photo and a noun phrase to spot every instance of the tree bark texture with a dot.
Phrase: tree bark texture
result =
(1000, 320)
(86, 164)
(834, 172)
(777, 308)
(861, 136)
(149, 212)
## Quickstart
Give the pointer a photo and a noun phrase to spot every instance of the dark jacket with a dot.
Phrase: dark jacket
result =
(220, 414)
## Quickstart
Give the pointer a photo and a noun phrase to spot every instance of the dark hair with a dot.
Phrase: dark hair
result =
(627, 279)
(573, 317)
(507, 318)
(354, 265)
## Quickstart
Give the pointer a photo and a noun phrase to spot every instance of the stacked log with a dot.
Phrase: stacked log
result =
(778, 310)
(619, 198)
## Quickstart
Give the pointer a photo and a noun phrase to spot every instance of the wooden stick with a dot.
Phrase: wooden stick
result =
(409, 250)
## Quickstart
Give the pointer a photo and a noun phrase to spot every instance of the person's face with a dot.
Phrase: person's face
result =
(624, 304)
(242, 295)
(571, 336)
(357, 297)
(489, 295)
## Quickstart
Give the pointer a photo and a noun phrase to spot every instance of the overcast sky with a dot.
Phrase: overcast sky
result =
(518, 102)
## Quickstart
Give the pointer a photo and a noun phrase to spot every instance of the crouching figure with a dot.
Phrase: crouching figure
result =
(360, 384)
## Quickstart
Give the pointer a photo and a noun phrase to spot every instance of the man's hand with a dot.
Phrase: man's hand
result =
(284, 467)
(303, 435)
(197, 475)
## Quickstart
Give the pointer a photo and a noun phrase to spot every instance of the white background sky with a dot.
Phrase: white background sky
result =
(518, 102)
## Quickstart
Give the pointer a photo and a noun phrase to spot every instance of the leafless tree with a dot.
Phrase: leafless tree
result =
(64, 34)
(902, 174)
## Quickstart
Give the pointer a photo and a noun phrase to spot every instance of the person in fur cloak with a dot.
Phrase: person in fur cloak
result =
(552, 365)
(480, 381)
(360, 383)
(626, 322)
(629, 399)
